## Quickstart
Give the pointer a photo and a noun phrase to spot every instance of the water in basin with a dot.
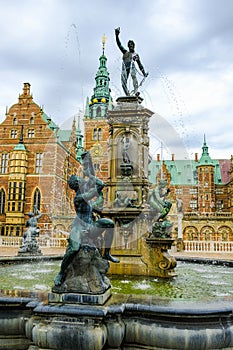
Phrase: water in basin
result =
(194, 281)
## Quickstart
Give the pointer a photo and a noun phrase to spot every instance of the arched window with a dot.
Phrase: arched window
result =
(99, 134)
(31, 120)
(2, 201)
(15, 121)
(95, 134)
(98, 112)
(37, 199)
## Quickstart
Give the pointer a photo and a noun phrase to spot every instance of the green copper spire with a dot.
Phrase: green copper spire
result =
(79, 144)
(205, 158)
(101, 98)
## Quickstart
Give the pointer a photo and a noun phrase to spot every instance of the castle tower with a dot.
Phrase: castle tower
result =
(96, 128)
(18, 165)
(206, 185)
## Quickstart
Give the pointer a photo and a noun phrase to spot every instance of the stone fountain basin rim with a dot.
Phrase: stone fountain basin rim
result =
(127, 303)
(213, 261)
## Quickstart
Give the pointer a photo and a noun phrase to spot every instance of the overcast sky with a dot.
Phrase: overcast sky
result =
(185, 45)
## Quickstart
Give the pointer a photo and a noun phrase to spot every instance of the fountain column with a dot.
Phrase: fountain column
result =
(128, 194)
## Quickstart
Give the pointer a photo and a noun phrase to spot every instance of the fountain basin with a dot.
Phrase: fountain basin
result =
(168, 317)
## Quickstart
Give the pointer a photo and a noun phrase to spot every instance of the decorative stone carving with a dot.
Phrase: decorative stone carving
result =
(29, 244)
(159, 258)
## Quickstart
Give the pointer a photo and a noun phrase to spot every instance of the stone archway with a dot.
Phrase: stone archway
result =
(207, 233)
(224, 233)
(190, 233)
(60, 231)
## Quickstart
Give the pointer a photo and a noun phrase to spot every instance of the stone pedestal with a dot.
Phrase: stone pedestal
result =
(30, 247)
(84, 279)
(160, 262)
(80, 298)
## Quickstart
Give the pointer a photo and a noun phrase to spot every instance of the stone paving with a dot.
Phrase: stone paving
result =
(13, 251)
(204, 255)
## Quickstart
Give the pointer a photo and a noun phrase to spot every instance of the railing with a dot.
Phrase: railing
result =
(218, 214)
(208, 246)
(6, 241)
(189, 246)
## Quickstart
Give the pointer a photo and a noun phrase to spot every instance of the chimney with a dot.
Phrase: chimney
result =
(196, 157)
(158, 157)
(26, 89)
(173, 157)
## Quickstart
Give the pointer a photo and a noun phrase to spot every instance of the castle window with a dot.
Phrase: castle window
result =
(15, 121)
(4, 163)
(193, 204)
(39, 158)
(193, 191)
(95, 134)
(98, 112)
(17, 231)
(31, 133)
(19, 206)
(14, 191)
(2, 201)
(13, 134)
(219, 204)
(20, 191)
(99, 134)
(37, 199)
(178, 191)
(13, 206)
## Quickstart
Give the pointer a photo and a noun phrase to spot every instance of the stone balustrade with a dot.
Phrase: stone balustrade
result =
(49, 242)
(218, 214)
(208, 246)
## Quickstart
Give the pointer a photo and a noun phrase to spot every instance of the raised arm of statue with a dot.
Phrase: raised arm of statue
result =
(121, 47)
